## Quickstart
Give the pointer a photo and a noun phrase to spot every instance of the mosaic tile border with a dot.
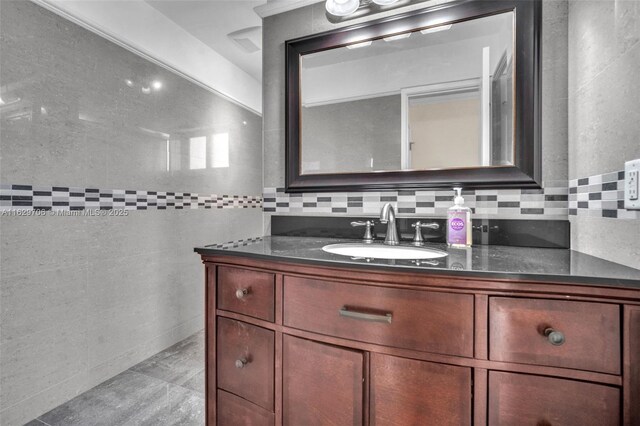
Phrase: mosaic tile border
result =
(490, 203)
(57, 198)
(600, 196)
(236, 243)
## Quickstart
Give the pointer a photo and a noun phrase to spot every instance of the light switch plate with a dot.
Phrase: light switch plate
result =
(632, 185)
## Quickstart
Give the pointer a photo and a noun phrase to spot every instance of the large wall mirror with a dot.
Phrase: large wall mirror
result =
(448, 96)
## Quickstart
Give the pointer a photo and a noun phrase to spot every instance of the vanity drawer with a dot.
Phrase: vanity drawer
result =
(245, 361)
(412, 319)
(246, 292)
(558, 333)
(520, 399)
(233, 411)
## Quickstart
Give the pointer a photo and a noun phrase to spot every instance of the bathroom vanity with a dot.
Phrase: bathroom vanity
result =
(516, 336)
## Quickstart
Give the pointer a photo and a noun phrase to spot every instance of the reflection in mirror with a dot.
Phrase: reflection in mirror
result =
(436, 98)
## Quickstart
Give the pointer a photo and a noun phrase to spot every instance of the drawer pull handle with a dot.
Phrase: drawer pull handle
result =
(241, 362)
(241, 293)
(555, 337)
(344, 312)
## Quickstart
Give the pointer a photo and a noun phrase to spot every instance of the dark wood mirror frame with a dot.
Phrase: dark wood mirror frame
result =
(526, 171)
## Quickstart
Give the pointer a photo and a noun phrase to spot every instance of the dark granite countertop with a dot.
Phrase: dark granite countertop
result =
(483, 261)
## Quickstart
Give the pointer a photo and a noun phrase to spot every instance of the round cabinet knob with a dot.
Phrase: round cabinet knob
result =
(555, 337)
(241, 293)
(240, 363)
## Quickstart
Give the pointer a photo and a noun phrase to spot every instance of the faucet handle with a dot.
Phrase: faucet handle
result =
(368, 233)
(432, 225)
(418, 240)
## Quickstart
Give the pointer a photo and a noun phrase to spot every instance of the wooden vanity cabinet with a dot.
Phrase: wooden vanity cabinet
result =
(412, 392)
(520, 331)
(303, 345)
(541, 401)
(327, 385)
(246, 292)
(428, 321)
(233, 410)
(322, 384)
(245, 361)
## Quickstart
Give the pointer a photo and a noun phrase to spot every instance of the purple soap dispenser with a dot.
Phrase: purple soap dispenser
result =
(459, 222)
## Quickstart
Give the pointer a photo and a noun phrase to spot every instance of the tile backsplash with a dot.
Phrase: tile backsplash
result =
(548, 203)
(600, 196)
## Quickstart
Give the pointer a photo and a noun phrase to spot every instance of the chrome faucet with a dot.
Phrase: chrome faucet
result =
(388, 216)
(418, 239)
(369, 234)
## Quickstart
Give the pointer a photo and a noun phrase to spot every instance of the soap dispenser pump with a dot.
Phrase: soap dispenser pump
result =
(459, 222)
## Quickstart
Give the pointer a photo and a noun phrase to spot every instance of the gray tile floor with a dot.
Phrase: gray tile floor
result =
(166, 389)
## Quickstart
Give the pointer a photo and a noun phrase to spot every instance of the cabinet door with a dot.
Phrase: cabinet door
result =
(589, 333)
(520, 399)
(236, 411)
(247, 292)
(632, 365)
(407, 392)
(322, 384)
(245, 361)
(427, 321)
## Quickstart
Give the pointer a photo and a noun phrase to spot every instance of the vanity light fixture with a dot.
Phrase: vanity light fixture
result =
(347, 7)
(397, 37)
(359, 45)
(436, 29)
(342, 7)
(146, 90)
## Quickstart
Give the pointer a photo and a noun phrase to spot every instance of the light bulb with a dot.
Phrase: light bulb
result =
(436, 29)
(359, 45)
(157, 85)
(397, 37)
(342, 7)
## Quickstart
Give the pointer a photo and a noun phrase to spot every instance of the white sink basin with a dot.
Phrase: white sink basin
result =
(380, 251)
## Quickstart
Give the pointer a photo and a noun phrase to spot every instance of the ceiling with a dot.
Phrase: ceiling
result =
(211, 21)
